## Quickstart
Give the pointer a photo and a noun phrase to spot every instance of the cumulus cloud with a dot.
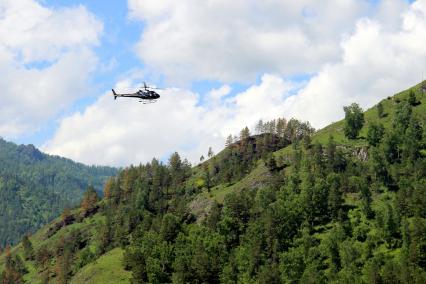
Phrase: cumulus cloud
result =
(378, 58)
(239, 40)
(122, 132)
(46, 59)
(376, 62)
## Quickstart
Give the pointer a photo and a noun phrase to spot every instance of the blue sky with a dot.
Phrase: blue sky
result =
(117, 43)
(224, 65)
(120, 34)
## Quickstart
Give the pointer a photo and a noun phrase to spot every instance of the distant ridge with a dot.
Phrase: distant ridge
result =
(35, 187)
(272, 208)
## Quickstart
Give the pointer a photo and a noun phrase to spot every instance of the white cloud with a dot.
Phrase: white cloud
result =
(376, 62)
(378, 58)
(124, 131)
(45, 61)
(35, 32)
(239, 40)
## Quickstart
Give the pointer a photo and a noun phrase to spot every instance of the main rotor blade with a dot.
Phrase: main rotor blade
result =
(152, 88)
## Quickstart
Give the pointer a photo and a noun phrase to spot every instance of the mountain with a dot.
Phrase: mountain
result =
(287, 205)
(36, 187)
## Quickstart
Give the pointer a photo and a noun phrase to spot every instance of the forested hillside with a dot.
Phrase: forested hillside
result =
(345, 204)
(35, 188)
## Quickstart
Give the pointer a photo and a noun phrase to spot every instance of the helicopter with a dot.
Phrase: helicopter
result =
(145, 95)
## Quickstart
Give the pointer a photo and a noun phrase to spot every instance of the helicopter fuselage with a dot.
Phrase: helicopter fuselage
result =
(143, 95)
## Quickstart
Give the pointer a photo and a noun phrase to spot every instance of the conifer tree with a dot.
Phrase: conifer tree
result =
(105, 234)
(89, 199)
(380, 110)
(375, 133)
(259, 127)
(66, 216)
(210, 153)
(335, 199)
(244, 134)
(62, 268)
(412, 100)
(403, 115)
(28, 248)
(354, 120)
(13, 269)
(109, 187)
(280, 128)
(229, 140)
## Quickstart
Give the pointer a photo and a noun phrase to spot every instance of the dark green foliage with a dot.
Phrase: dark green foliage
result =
(412, 100)
(28, 248)
(335, 158)
(320, 213)
(35, 188)
(214, 217)
(335, 198)
(200, 255)
(391, 148)
(14, 269)
(380, 111)
(90, 198)
(105, 235)
(375, 134)
(86, 256)
(241, 156)
(170, 227)
(354, 120)
(403, 114)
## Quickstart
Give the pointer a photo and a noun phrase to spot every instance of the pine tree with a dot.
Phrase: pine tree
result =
(210, 153)
(335, 199)
(89, 199)
(259, 127)
(109, 187)
(380, 110)
(244, 134)
(62, 268)
(66, 216)
(105, 234)
(43, 257)
(403, 115)
(13, 269)
(360, 185)
(354, 120)
(375, 133)
(331, 153)
(412, 100)
(229, 141)
(176, 169)
(412, 141)
(28, 248)
(280, 128)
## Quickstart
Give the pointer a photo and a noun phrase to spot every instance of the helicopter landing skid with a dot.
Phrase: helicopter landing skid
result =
(147, 102)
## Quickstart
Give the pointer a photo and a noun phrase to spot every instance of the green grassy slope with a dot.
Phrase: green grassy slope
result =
(257, 177)
(259, 174)
(36, 187)
(370, 115)
(108, 268)
(389, 107)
